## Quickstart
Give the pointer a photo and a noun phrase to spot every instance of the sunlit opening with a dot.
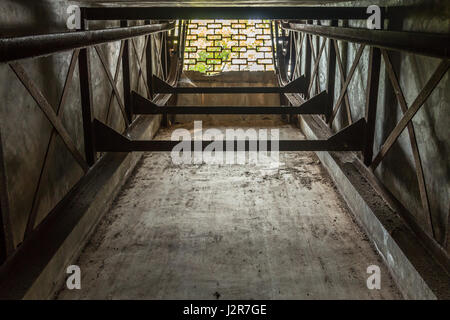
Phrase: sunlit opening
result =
(214, 46)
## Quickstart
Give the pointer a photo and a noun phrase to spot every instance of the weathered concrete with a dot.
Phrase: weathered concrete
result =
(212, 231)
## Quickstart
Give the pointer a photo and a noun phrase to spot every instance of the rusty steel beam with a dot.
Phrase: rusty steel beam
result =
(122, 106)
(84, 69)
(412, 138)
(347, 82)
(49, 112)
(6, 237)
(342, 75)
(116, 79)
(126, 78)
(228, 12)
(428, 44)
(412, 110)
(296, 86)
(139, 62)
(348, 139)
(35, 203)
(17, 48)
(148, 63)
(331, 73)
(373, 80)
(315, 105)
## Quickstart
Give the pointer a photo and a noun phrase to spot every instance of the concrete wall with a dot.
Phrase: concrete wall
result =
(26, 131)
(397, 170)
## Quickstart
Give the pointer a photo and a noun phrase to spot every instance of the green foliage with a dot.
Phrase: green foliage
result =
(224, 55)
(225, 42)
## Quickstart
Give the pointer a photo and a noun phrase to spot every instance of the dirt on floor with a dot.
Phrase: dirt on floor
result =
(265, 230)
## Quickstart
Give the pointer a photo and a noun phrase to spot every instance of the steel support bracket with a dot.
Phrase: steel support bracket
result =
(316, 105)
(299, 85)
(348, 139)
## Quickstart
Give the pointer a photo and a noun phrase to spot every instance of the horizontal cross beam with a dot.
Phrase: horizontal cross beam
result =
(348, 139)
(299, 85)
(46, 44)
(315, 105)
(242, 12)
(428, 44)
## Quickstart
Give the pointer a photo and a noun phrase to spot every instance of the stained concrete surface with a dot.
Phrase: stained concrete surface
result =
(206, 231)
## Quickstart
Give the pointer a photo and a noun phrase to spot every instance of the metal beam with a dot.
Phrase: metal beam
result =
(373, 80)
(316, 105)
(412, 110)
(126, 77)
(429, 44)
(139, 63)
(244, 12)
(347, 82)
(35, 203)
(6, 239)
(149, 51)
(331, 73)
(348, 139)
(296, 86)
(123, 108)
(308, 59)
(41, 45)
(116, 79)
(342, 75)
(412, 139)
(315, 75)
(49, 112)
(84, 69)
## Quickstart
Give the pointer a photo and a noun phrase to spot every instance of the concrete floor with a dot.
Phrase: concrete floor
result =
(254, 231)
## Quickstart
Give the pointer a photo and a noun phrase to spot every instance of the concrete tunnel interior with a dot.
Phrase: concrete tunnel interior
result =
(225, 150)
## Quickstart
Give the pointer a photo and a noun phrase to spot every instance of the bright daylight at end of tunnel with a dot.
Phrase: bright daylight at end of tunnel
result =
(224, 155)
